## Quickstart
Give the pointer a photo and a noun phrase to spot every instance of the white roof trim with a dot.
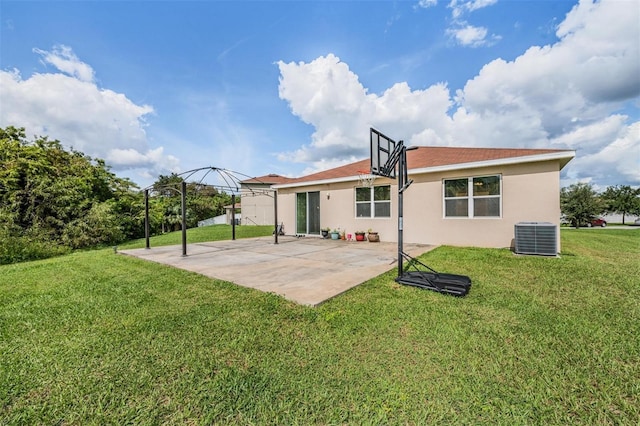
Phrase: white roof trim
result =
(317, 182)
(563, 155)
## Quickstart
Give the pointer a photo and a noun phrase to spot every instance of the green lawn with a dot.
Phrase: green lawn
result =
(99, 338)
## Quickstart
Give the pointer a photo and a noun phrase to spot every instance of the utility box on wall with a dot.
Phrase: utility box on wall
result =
(540, 238)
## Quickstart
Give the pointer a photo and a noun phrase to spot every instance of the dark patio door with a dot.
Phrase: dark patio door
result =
(308, 212)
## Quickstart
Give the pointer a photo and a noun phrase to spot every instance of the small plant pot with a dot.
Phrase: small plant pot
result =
(360, 236)
(335, 235)
(325, 234)
(374, 237)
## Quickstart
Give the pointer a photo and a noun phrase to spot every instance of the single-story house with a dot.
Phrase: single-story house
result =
(459, 196)
(257, 195)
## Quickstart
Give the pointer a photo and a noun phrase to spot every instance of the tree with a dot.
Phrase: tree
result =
(622, 200)
(168, 186)
(51, 196)
(99, 226)
(203, 201)
(580, 204)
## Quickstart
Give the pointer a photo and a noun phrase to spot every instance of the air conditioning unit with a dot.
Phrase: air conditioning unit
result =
(539, 238)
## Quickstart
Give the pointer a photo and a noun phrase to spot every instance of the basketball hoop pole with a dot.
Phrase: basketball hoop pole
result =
(403, 183)
(386, 155)
(400, 210)
(401, 165)
(395, 155)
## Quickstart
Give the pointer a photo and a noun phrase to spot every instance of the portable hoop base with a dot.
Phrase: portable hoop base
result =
(455, 285)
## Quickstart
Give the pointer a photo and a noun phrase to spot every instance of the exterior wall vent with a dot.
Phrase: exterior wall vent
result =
(539, 238)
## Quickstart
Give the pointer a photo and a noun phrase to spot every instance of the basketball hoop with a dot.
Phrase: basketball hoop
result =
(366, 178)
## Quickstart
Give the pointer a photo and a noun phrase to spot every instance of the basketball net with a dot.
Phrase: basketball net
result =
(366, 178)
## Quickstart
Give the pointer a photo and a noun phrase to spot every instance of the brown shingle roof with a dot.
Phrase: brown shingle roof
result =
(424, 157)
(267, 179)
(428, 157)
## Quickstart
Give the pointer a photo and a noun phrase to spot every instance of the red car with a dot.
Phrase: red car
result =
(597, 222)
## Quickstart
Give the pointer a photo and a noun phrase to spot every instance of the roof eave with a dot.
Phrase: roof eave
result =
(563, 156)
(316, 182)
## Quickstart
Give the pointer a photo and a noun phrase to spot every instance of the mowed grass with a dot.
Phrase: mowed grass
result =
(100, 338)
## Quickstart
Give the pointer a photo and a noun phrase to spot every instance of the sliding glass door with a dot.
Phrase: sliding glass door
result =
(308, 212)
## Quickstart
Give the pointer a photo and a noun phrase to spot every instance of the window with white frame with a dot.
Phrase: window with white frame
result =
(374, 201)
(473, 196)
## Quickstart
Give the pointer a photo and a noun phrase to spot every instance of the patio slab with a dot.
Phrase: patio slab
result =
(305, 270)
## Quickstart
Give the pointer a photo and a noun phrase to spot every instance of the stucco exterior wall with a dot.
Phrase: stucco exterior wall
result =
(337, 209)
(257, 207)
(530, 193)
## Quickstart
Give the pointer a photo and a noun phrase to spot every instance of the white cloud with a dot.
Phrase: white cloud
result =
(590, 138)
(468, 35)
(464, 33)
(132, 158)
(479, 4)
(566, 95)
(70, 107)
(586, 75)
(615, 162)
(603, 39)
(326, 94)
(460, 7)
(63, 58)
(427, 3)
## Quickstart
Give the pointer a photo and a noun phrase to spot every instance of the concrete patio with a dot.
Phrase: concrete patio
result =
(305, 270)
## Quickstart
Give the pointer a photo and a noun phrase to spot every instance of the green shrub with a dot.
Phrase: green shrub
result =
(14, 249)
(98, 227)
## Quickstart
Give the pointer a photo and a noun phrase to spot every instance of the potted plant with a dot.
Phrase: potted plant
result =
(360, 235)
(335, 234)
(325, 232)
(373, 236)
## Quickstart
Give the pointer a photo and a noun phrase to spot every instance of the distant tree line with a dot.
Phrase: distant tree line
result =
(580, 203)
(54, 200)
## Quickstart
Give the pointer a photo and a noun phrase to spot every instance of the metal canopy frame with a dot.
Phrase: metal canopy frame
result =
(230, 182)
(394, 155)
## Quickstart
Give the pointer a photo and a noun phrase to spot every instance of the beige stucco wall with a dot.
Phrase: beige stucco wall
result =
(530, 193)
(257, 207)
(337, 209)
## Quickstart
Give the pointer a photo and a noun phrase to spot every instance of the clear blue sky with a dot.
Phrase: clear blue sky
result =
(292, 87)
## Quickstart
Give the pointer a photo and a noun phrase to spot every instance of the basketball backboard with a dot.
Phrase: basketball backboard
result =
(383, 154)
